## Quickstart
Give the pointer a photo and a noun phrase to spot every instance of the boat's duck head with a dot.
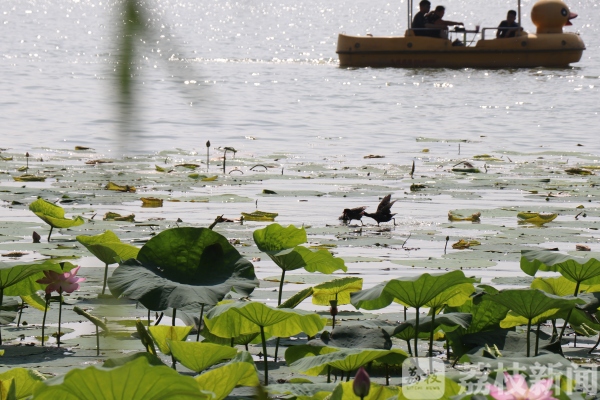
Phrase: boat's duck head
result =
(549, 16)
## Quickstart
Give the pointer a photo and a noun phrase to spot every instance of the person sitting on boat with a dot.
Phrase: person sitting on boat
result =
(511, 16)
(418, 23)
(436, 22)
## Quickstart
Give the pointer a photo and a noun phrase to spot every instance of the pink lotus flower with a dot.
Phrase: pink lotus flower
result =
(517, 389)
(362, 383)
(65, 282)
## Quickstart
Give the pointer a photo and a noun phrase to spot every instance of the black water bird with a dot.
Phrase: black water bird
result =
(353, 213)
(383, 213)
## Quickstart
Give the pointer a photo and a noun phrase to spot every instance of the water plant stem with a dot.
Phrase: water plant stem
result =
(174, 316)
(200, 323)
(59, 316)
(264, 346)
(537, 339)
(20, 314)
(44, 319)
(279, 303)
(562, 331)
(148, 318)
(416, 352)
(97, 342)
(105, 278)
(431, 333)
(50, 234)
(528, 332)
(1, 300)
(207, 155)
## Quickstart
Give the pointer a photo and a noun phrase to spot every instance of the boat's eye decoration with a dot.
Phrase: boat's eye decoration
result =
(564, 12)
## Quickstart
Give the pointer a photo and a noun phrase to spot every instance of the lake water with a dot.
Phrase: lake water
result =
(231, 72)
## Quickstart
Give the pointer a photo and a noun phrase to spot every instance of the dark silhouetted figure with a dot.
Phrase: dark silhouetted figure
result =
(353, 213)
(383, 213)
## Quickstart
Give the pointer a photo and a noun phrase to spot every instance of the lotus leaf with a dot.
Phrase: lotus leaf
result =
(260, 216)
(337, 289)
(151, 202)
(150, 383)
(345, 360)
(183, 267)
(109, 249)
(303, 390)
(579, 270)
(533, 304)
(24, 380)
(344, 391)
(34, 300)
(53, 215)
(535, 218)
(162, 334)
(431, 386)
(17, 280)
(119, 188)
(221, 381)
(199, 356)
(295, 353)
(296, 299)
(117, 362)
(29, 178)
(274, 237)
(355, 337)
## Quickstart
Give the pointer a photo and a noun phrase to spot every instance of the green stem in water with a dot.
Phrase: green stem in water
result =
(264, 346)
(59, 316)
(174, 316)
(97, 342)
(562, 331)
(416, 352)
(148, 318)
(105, 278)
(537, 339)
(200, 323)
(44, 319)
(528, 332)
(279, 303)
(431, 333)
(50, 234)
(20, 314)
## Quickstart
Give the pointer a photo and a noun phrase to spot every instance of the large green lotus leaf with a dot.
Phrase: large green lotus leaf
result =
(311, 260)
(162, 334)
(446, 322)
(198, 356)
(531, 303)
(452, 297)
(136, 380)
(412, 292)
(108, 248)
(344, 359)
(512, 319)
(20, 280)
(337, 289)
(119, 361)
(35, 300)
(24, 380)
(238, 340)
(344, 391)
(224, 320)
(580, 269)
(298, 298)
(183, 267)
(354, 337)
(274, 237)
(428, 387)
(295, 353)
(221, 381)
(53, 215)
(561, 286)
(314, 391)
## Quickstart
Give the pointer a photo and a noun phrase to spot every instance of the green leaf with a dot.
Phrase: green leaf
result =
(119, 361)
(411, 292)
(260, 216)
(274, 237)
(198, 356)
(305, 390)
(221, 381)
(183, 267)
(136, 380)
(447, 322)
(92, 318)
(108, 248)
(452, 297)
(35, 300)
(53, 215)
(312, 261)
(337, 289)
(532, 303)
(345, 360)
(559, 286)
(580, 269)
(295, 353)
(24, 380)
(240, 318)
(296, 299)
(145, 338)
(344, 391)
(431, 386)
(162, 334)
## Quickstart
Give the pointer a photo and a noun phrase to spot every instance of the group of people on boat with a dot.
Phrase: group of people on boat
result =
(432, 23)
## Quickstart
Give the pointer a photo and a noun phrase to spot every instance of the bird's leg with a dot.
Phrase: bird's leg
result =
(394, 219)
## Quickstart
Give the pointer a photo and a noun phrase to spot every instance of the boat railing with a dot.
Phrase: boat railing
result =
(411, 31)
(517, 28)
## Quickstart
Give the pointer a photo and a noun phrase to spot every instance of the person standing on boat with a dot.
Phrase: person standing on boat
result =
(420, 19)
(511, 17)
(435, 21)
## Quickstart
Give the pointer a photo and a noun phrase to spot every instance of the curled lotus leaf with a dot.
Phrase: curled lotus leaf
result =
(274, 237)
(535, 218)
(345, 360)
(108, 248)
(163, 334)
(53, 215)
(183, 267)
(337, 289)
(221, 381)
(198, 356)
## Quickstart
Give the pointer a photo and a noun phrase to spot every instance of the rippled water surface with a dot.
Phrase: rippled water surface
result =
(235, 71)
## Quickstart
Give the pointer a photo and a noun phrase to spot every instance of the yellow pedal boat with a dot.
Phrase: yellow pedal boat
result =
(548, 47)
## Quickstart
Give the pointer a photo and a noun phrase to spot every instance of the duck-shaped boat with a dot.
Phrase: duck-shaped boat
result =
(548, 47)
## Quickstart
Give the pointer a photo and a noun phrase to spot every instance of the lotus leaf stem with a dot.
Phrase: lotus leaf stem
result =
(528, 332)
(348, 378)
(431, 333)
(562, 331)
(44, 319)
(279, 303)
(537, 338)
(1, 300)
(97, 342)
(59, 316)
(105, 278)
(417, 333)
(405, 309)
(200, 323)
(174, 316)
(387, 374)
(148, 318)
(20, 314)
(264, 346)
(50, 234)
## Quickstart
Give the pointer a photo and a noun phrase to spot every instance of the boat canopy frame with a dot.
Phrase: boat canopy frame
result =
(410, 4)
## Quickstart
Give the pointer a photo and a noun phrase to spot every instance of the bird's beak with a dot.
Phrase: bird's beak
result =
(571, 16)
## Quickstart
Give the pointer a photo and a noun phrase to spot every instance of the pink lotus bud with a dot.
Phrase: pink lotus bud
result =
(362, 383)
